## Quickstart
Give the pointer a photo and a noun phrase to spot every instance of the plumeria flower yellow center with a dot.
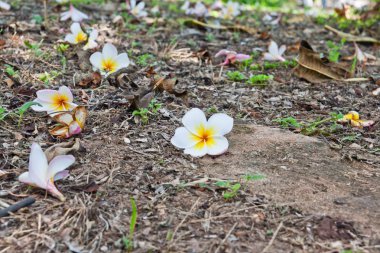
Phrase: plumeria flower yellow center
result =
(354, 119)
(77, 35)
(109, 65)
(200, 136)
(108, 61)
(53, 101)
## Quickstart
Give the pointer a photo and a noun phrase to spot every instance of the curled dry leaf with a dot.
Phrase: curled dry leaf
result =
(70, 123)
(88, 80)
(62, 149)
(315, 69)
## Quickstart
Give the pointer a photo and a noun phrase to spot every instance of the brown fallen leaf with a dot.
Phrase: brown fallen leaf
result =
(88, 80)
(62, 149)
(352, 38)
(315, 69)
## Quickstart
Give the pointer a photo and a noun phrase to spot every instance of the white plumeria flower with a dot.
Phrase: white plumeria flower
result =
(91, 42)
(274, 53)
(77, 35)
(4, 6)
(199, 9)
(200, 137)
(62, 1)
(53, 101)
(231, 10)
(109, 61)
(74, 14)
(137, 10)
(41, 174)
(185, 7)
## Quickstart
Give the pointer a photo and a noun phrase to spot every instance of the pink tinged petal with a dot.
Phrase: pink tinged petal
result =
(183, 138)
(109, 51)
(74, 128)
(224, 52)
(242, 57)
(77, 16)
(46, 96)
(61, 175)
(269, 57)
(196, 152)
(122, 61)
(24, 178)
(194, 119)
(38, 166)
(65, 15)
(220, 123)
(54, 191)
(376, 92)
(367, 123)
(59, 163)
(219, 146)
(75, 28)
(140, 6)
(282, 50)
(273, 48)
(70, 38)
(96, 60)
(65, 91)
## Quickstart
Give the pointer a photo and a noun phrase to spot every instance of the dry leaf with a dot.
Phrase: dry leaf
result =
(352, 38)
(62, 149)
(315, 69)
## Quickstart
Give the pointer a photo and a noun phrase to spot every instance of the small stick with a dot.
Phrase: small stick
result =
(225, 238)
(13, 208)
(273, 238)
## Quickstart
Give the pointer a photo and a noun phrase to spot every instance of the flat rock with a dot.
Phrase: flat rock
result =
(301, 171)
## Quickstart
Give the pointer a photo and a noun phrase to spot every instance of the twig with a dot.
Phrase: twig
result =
(273, 238)
(225, 238)
(13, 208)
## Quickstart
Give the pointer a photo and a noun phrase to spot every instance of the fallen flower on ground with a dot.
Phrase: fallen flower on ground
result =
(4, 6)
(136, 10)
(74, 14)
(41, 174)
(109, 61)
(53, 101)
(91, 42)
(361, 56)
(353, 118)
(231, 10)
(77, 35)
(199, 10)
(231, 56)
(274, 53)
(199, 137)
(70, 123)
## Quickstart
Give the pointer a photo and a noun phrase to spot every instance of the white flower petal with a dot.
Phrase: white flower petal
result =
(220, 123)
(66, 92)
(58, 164)
(273, 48)
(109, 51)
(133, 4)
(38, 166)
(75, 28)
(70, 38)
(65, 15)
(61, 175)
(197, 150)
(269, 57)
(44, 106)
(218, 147)
(194, 119)
(282, 50)
(4, 6)
(122, 61)
(77, 16)
(96, 60)
(93, 34)
(183, 138)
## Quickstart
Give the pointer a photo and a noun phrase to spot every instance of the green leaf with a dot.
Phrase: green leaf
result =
(253, 177)
(22, 109)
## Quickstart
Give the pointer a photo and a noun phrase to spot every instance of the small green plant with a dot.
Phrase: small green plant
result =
(334, 50)
(288, 122)
(3, 113)
(143, 113)
(143, 60)
(274, 65)
(48, 77)
(236, 76)
(34, 47)
(253, 177)
(210, 37)
(19, 112)
(62, 48)
(128, 241)
(211, 110)
(259, 79)
(38, 19)
(232, 189)
(10, 70)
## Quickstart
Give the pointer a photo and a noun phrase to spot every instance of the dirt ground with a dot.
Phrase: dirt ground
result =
(320, 193)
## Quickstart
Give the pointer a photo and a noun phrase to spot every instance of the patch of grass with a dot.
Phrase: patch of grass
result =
(236, 76)
(143, 113)
(209, 37)
(128, 241)
(274, 65)
(259, 79)
(143, 60)
(38, 19)
(34, 47)
(10, 70)
(334, 50)
(211, 110)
